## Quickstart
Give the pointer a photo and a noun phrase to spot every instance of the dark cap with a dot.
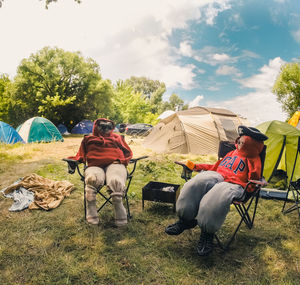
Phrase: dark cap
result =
(252, 132)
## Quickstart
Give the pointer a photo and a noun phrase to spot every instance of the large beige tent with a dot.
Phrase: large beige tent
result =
(197, 130)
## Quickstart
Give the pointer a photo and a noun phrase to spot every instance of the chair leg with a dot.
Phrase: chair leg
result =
(295, 206)
(127, 206)
(245, 217)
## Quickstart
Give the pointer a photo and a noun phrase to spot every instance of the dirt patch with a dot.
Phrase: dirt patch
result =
(37, 155)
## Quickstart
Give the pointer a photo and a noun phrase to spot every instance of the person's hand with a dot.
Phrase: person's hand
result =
(189, 164)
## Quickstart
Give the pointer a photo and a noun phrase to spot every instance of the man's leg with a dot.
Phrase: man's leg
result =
(213, 210)
(116, 175)
(187, 205)
(94, 178)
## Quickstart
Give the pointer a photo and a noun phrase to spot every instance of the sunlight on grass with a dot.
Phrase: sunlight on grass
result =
(274, 262)
(59, 247)
(127, 242)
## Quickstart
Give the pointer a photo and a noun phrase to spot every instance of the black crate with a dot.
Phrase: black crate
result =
(153, 192)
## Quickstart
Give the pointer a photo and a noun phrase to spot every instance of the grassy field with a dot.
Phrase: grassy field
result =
(58, 247)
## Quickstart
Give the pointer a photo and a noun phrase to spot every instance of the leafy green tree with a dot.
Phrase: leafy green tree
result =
(152, 90)
(130, 106)
(61, 86)
(175, 103)
(5, 102)
(287, 87)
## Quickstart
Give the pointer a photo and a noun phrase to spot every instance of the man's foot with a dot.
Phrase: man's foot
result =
(120, 211)
(91, 213)
(178, 227)
(205, 245)
(121, 223)
(92, 220)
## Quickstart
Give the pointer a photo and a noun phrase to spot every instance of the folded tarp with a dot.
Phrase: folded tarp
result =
(48, 194)
(273, 194)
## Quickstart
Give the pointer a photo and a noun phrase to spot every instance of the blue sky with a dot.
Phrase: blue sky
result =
(214, 53)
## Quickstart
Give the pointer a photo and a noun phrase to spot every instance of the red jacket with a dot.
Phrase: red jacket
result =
(239, 166)
(98, 150)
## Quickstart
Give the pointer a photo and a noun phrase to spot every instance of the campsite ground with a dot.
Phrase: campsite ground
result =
(58, 247)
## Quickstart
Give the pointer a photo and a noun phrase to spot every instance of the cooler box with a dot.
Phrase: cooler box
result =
(161, 192)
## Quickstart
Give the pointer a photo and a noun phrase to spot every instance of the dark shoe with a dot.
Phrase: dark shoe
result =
(205, 245)
(180, 226)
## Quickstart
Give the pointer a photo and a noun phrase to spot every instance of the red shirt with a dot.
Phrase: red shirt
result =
(101, 151)
(239, 166)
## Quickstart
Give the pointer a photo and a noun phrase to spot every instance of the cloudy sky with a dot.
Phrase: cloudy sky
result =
(215, 53)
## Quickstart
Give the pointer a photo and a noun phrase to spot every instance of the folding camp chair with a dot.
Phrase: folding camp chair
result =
(74, 166)
(294, 189)
(248, 199)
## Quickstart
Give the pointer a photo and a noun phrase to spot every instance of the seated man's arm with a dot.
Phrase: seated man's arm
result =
(126, 151)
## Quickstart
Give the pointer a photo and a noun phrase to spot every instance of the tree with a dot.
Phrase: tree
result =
(5, 102)
(175, 103)
(287, 87)
(152, 90)
(130, 106)
(61, 86)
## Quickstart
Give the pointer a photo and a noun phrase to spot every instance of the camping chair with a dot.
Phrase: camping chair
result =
(74, 166)
(247, 205)
(293, 188)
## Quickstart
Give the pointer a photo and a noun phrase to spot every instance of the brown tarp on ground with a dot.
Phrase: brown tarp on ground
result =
(197, 130)
(48, 194)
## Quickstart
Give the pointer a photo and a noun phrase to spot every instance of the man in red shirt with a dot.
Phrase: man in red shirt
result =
(205, 199)
(106, 155)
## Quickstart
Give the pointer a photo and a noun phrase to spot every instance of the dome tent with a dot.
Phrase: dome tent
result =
(197, 130)
(63, 129)
(283, 149)
(83, 127)
(38, 129)
(165, 114)
(8, 134)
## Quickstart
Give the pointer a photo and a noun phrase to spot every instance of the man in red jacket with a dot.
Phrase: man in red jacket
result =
(205, 199)
(107, 155)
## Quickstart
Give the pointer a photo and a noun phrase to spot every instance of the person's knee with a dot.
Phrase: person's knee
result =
(93, 180)
(116, 185)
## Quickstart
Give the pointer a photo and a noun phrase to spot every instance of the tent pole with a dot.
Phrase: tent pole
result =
(279, 158)
(287, 193)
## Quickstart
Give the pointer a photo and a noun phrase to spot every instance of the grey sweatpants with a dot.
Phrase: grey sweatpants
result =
(114, 176)
(207, 198)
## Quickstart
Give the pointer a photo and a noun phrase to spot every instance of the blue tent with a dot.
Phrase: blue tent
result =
(8, 134)
(62, 129)
(83, 127)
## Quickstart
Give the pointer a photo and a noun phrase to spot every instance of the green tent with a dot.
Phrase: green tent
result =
(283, 149)
(38, 129)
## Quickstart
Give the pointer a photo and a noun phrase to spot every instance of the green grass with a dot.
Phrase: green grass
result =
(58, 247)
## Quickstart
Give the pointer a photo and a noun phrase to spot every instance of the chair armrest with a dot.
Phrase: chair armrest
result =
(260, 183)
(247, 194)
(72, 165)
(133, 160)
(186, 173)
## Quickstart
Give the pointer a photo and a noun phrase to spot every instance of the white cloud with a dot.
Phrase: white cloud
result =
(296, 36)
(196, 101)
(125, 37)
(260, 105)
(228, 70)
(221, 57)
(266, 78)
(257, 107)
(185, 49)
(213, 10)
